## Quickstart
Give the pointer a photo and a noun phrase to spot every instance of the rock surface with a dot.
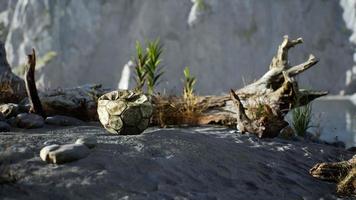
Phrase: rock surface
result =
(232, 41)
(349, 16)
(193, 163)
(61, 120)
(29, 120)
(60, 154)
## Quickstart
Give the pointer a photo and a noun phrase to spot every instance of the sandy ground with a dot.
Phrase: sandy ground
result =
(174, 163)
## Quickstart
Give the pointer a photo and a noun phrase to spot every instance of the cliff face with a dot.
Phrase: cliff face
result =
(225, 43)
(349, 16)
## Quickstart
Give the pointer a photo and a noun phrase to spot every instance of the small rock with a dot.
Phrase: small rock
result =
(44, 153)
(29, 120)
(287, 133)
(311, 137)
(4, 127)
(90, 142)
(61, 120)
(59, 154)
(9, 110)
(51, 142)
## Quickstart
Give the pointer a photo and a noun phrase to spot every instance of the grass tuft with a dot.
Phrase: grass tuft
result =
(301, 119)
(152, 67)
(148, 69)
(140, 62)
(186, 109)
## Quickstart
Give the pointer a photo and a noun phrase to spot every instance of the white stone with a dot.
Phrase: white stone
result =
(60, 154)
(90, 142)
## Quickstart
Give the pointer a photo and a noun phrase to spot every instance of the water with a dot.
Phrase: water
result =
(335, 119)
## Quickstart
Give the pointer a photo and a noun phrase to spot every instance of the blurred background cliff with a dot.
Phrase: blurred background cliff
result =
(225, 43)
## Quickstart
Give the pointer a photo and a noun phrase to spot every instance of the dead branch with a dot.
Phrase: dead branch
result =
(30, 81)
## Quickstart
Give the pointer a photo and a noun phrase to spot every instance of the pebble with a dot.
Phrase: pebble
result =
(60, 154)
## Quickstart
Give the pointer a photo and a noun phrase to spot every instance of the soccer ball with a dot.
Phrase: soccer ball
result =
(124, 112)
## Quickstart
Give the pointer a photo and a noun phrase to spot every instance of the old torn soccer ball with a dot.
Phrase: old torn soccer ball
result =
(124, 112)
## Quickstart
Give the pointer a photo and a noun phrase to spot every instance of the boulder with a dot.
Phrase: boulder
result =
(125, 112)
(61, 120)
(90, 142)
(60, 154)
(29, 120)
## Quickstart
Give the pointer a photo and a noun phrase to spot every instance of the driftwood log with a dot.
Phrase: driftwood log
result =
(79, 102)
(31, 89)
(344, 173)
(262, 106)
(258, 108)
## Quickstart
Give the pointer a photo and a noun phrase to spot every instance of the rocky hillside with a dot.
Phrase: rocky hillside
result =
(226, 43)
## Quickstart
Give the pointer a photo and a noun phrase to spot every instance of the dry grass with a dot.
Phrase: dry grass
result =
(174, 110)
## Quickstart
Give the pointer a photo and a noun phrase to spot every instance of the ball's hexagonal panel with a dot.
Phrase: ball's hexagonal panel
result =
(143, 124)
(124, 112)
(103, 115)
(116, 107)
(115, 122)
(132, 116)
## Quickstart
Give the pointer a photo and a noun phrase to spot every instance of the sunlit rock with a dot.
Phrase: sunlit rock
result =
(60, 154)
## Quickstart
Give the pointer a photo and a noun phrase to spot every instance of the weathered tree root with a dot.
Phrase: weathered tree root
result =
(262, 105)
(31, 89)
(258, 108)
(344, 173)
